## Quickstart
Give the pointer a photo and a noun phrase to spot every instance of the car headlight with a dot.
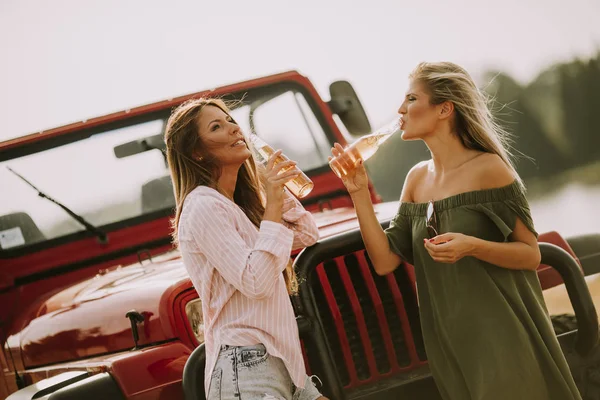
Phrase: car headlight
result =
(193, 310)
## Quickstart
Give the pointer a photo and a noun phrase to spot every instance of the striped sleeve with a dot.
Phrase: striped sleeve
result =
(251, 270)
(300, 221)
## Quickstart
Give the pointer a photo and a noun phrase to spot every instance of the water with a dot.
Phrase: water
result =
(572, 210)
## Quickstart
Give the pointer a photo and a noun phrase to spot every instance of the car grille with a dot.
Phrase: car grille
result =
(371, 322)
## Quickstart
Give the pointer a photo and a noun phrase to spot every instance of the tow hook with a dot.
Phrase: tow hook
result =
(135, 318)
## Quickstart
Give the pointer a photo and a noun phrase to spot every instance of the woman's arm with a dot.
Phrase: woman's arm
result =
(251, 270)
(300, 221)
(376, 243)
(522, 252)
(384, 246)
(384, 259)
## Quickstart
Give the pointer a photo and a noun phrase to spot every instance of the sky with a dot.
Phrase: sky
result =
(68, 60)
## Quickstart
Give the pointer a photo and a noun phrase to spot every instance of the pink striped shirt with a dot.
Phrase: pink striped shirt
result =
(237, 271)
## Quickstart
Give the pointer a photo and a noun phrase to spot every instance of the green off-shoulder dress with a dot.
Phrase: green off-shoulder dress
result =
(486, 329)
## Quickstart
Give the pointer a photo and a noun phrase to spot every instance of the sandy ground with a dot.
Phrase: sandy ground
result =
(558, 301)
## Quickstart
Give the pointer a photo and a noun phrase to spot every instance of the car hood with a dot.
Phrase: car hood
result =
(88, 319)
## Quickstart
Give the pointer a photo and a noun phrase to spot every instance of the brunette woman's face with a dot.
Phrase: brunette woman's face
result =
(222, 137)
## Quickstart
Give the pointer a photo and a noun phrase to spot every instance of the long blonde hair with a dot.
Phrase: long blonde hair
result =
(191, 164)
(473, 123)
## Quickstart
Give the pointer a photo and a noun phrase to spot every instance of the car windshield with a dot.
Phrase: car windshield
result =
(114, 175)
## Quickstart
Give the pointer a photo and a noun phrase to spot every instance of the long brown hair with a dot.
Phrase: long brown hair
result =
(191, 165)
(474, 123)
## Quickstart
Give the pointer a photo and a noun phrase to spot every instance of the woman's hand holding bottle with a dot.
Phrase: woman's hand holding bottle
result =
(275, 177)
(355, 177)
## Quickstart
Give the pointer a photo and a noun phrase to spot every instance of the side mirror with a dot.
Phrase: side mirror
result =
(140, 145)
(345, 103)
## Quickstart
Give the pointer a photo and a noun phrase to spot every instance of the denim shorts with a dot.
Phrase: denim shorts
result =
(249, 372)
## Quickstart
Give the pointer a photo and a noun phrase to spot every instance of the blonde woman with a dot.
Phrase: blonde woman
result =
(235, 239)
(465, 224)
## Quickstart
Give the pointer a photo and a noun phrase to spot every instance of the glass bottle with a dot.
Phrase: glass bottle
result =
(300, 186)
(363, 148)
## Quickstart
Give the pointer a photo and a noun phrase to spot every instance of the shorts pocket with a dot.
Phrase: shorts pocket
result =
(214, 391)
(253, 356)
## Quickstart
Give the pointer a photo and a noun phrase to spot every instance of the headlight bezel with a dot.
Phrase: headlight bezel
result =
(195, 319)
(188, 331)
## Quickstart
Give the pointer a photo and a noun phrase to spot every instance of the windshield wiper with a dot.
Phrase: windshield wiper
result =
(102, 237)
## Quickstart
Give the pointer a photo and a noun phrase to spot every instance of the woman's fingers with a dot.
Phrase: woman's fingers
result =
(272, 159)
(439, 253)
(348, 163)
(432, 248)
(285, 176)
(283, 166)
(437, 256)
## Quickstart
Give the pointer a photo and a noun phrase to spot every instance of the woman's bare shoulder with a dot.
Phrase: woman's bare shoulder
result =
(415, 175)
(493, 172)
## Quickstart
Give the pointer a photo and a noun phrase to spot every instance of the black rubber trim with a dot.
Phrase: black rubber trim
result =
(579, 295)
(96, 387)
